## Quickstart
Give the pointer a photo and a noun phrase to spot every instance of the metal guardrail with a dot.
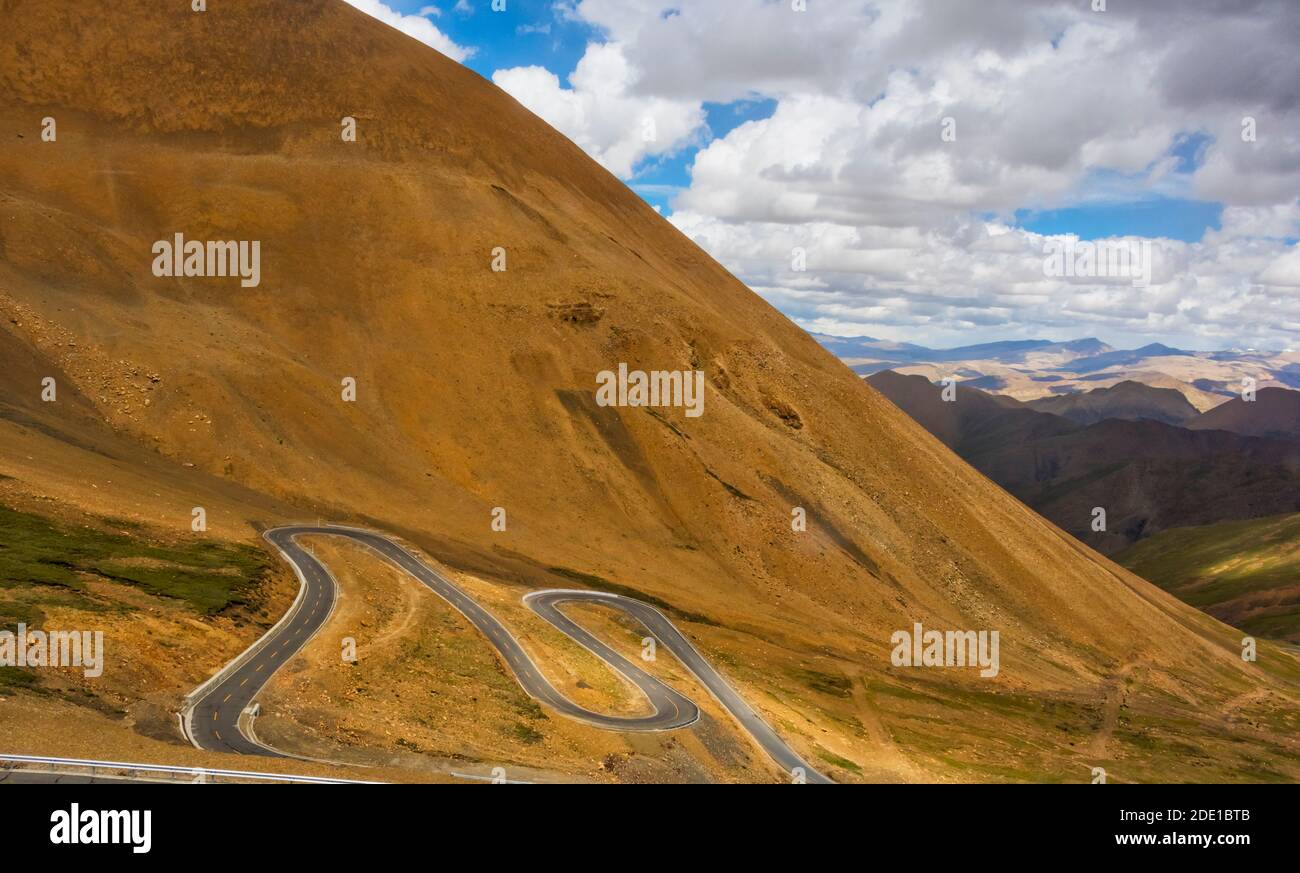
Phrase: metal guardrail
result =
(160, 772)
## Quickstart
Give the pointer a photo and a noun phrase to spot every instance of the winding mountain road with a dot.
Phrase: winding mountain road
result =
(219, 714)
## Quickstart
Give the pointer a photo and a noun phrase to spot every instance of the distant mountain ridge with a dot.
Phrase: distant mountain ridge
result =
(1122, 357)
(1275, 412)
(1035, 369)
(1128, 401)
(1009, 351)
(1148, 475)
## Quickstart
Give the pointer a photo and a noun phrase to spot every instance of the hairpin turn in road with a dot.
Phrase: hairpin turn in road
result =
(219, 714)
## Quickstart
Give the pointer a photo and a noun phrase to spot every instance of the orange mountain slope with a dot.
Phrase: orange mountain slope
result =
(475, 389)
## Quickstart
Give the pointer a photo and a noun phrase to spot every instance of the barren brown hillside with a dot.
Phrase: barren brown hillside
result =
(1274, 412)
(475, 390)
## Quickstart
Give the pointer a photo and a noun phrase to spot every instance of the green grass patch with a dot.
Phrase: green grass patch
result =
(208, 576)
(529, 708)
(17, 678)
(1212, 567)
(526, 733)
(836, 761)
(825, 683)
(16, 612)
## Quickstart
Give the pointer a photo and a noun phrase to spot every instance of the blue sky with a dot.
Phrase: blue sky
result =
(528, 32)
(659, 179)
(819, 131)
(1164, 215)
(534, 33)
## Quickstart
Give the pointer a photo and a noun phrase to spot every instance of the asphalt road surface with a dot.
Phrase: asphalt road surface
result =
(213, 718)
(546, 603)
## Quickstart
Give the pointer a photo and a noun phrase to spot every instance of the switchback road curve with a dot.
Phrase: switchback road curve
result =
(217, 716)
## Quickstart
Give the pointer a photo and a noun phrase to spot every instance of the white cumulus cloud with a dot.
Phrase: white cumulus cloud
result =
(909, 234)
(600, 112)
(417, 26)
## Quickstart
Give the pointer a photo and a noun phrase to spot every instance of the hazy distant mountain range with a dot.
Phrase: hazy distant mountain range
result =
(1011, 351)
(1033, 369)
(1119, 449)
